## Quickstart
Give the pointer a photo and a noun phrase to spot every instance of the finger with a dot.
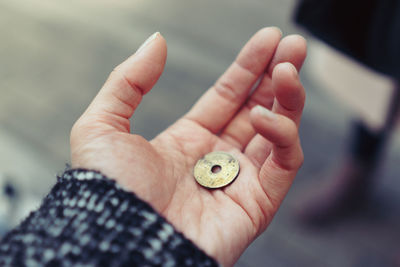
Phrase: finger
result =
(239, 131)
(292, 49)
(222, 101)
(258, 150)
(289, 92)
(123, 91)
(289, 101)
(286, 157)
(281, 132)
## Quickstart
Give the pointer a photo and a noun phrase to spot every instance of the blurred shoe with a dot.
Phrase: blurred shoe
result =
(15, 203)
(8, 202)
(342, 195)
(347, 190)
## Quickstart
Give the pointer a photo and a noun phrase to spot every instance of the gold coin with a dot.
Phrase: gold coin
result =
(216, 169)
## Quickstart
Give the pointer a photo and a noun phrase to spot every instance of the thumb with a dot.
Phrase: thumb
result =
(121, 94)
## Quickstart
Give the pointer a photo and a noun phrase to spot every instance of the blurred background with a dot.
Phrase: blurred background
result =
(55, 55)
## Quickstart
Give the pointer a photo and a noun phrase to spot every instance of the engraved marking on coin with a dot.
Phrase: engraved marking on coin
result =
(216, 169)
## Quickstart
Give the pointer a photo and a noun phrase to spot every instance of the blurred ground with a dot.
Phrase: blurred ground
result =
(55, 55)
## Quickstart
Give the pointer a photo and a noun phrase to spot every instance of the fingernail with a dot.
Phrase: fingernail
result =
(148, 41)
(264, 112)
(278, 30)
(288, 67)
(293, 69)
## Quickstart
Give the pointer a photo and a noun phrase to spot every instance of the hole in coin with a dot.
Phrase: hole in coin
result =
(216, 169)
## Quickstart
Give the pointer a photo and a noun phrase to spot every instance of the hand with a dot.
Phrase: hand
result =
(225, 221)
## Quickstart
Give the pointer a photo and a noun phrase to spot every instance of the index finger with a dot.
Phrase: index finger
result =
(222, 101)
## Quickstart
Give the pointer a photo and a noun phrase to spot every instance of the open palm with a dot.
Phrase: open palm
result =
(224, 221)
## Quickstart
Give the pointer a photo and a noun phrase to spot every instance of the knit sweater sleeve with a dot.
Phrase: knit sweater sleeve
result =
(88, 220)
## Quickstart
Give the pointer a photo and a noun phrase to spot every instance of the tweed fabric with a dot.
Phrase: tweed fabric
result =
(88, 220)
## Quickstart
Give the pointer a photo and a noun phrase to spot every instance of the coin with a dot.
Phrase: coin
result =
(216, 169)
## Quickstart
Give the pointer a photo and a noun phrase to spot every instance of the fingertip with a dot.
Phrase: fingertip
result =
(145, 67)
(276, 128)
(292, 48)
(265, 41)
(286, 69)
(256, 55)
(155, 39)
(268, 30)
(129, 81)
(262, 112)
(301, 43)
(298, 49)
(287, 87)
(298, 40)
(258, 115)
(286, 79)
(283, 134)
(160, 45)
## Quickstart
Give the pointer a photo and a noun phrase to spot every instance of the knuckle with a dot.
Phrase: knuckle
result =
(226, 90)
(113, 73)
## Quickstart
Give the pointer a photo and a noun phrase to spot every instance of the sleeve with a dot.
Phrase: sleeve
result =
(88, 220)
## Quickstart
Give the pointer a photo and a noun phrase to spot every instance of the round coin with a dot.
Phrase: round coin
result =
(216, 169)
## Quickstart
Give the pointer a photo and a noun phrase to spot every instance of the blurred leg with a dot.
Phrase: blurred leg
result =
(349, 189)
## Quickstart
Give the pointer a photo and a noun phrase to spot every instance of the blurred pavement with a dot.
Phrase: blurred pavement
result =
(55, 55)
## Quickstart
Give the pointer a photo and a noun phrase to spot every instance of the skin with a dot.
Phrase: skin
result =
(228, 117)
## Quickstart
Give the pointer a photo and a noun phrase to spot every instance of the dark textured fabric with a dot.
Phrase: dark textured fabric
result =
(88, 220)
(366, 30)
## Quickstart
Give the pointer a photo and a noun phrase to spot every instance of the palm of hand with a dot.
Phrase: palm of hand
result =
(223, 221)
(211, 216)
